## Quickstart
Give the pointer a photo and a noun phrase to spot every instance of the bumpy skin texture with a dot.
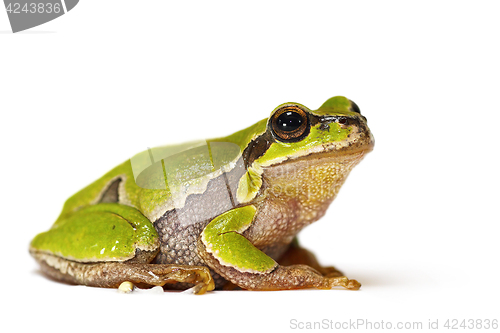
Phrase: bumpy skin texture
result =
(237, 224)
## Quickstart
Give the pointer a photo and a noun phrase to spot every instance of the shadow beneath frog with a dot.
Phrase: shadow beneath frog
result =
(379, 278)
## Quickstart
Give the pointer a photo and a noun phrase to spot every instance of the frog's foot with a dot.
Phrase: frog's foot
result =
(282, 278)
(114, 274)
(298, 277)
(297, 255)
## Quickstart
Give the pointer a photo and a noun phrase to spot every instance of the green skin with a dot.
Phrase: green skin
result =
(105, 227)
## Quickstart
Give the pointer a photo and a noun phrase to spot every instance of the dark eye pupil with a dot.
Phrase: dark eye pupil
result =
(289, 121)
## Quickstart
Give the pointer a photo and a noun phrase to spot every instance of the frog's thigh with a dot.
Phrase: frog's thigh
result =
(107, 244)
(297, 255)
(230, 254)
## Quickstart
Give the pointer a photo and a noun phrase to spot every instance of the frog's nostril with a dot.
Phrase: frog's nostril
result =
(324, 127)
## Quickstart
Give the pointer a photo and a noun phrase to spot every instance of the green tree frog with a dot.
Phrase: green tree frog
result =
(220, 213)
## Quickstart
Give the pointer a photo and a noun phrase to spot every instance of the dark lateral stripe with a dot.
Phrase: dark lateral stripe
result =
(257, 148)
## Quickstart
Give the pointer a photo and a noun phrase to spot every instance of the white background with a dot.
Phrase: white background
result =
(416, 223)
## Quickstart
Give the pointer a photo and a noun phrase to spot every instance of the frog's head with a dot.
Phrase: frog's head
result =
(306, 150)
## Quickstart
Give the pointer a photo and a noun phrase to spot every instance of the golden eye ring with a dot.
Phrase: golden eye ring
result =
(290, 123)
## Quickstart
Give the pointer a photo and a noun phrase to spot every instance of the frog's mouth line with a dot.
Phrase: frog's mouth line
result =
(326, 157)
(330, 152)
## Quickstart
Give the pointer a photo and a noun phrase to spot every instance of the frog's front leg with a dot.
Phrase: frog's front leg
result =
(107, 244)
(229, 253)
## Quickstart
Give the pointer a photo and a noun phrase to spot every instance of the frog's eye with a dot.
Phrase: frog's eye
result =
(290, 123)
(355, 108)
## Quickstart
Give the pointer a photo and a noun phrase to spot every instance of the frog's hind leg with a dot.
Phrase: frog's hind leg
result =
(297, 255)
(113, 274)
(107, 244)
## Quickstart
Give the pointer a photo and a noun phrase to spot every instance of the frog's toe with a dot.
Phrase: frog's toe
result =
(203, 287)
(342, 281)
(198, 289)
(353, 285)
